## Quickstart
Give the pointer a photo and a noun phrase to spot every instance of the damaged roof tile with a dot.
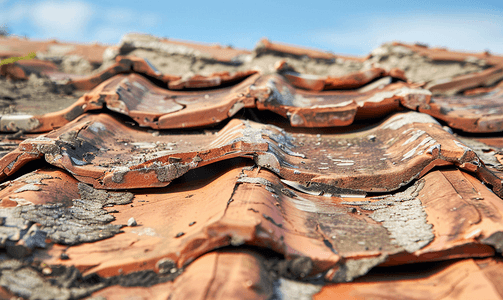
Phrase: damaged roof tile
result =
(15, 46)
(342, 238)
(465, 279)
(159, 108)
(252, 210)
(102, 151)
(350, 81)
(265, 45)
(478, 113)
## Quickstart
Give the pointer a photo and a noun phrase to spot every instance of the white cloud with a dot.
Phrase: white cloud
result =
(119, 16)
(62, 20)
(466, 32)
(148, 20)
(109, 35)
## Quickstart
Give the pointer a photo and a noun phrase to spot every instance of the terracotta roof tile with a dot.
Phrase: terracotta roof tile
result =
(173, 46)
(477, 113)
(15, 46)
(138, 97)
(242, 206)
(460, 83)
(246, 209)
(350, 81)
(466, 279)
(231, 274)
(443, 54)
(265, 45)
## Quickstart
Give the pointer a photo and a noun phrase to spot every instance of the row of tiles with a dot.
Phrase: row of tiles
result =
(487, 75)
(167, 108)
(15, 46)
(243, 274)
(103, 151)
(448, 214)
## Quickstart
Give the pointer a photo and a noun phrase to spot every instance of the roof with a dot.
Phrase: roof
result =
(163, 169)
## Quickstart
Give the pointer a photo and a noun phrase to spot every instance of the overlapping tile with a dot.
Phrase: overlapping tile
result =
(332, 108)
(102, 151)
(350, 81)
(265, 46)
(461, 83)
(419, 66)
(466, 279)
(294, 203)
(231, 274)
(340, 238)
(443, 54)
(476, 113)
(159, 108)
(16, 46)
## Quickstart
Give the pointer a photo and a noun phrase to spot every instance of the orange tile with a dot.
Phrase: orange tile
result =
(479, 113)
(266, 45)
(459, 280)
(15, 46)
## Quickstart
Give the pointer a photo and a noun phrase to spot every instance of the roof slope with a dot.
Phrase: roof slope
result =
(163, 169)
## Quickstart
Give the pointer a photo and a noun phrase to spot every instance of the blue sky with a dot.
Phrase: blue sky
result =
(349, 27)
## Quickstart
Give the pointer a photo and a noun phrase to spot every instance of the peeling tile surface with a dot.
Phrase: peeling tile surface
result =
(133, 171)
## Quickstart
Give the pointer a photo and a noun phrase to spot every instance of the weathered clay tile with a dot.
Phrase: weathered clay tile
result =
(340, 238)
(332, 108)
(226, 274)
(39, 187)
(214, 80)
(265, 45)
(477, 113)
(172, 46)
(442, 54)
(102, 151)
(23, 68)
(122, 65)
(15, 46)
(461, 83)
(159, 108)
(350, 81)
(465, 279)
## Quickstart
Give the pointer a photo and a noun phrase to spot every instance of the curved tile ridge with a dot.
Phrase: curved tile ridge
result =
(159, 108)
(470, 113)
(210, 52)
(129, 64)
(338, 238)
(102, 151)
(485, 78)
(264, 45)
(456, 280)
(443, 54)
(147, 104)
(350, 81)
(333, 108)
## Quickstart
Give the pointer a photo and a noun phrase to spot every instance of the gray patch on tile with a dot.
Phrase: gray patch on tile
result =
(399, 120)
(354, 268)
(485, 152)
(402, 214)
(495, 240)
(172, 171)
(28, 283)
(85, 221)
(286, 289)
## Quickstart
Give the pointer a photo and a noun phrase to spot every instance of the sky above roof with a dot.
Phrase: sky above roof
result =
(349, 27)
